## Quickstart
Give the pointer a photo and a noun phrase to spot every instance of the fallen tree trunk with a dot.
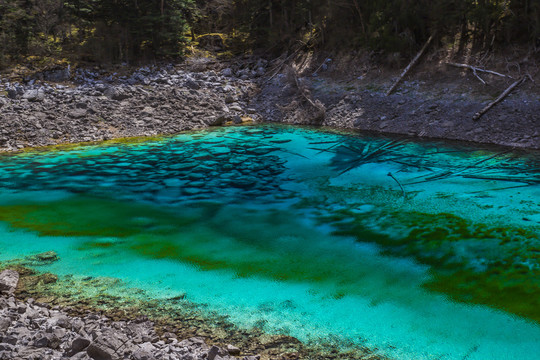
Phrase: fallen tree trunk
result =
(411, 64)
(501, 97)
(305, 94)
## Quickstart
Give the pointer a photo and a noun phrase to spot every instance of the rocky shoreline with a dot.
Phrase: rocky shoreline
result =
(435, 103)
(124, 323)
(91, 106)
(31, 330)
(95, 105)
(149, 101)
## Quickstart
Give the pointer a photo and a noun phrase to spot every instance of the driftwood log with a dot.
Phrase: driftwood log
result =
(411, 64)
(500, 98)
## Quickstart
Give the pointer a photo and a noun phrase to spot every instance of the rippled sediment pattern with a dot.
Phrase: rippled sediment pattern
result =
(422, 250)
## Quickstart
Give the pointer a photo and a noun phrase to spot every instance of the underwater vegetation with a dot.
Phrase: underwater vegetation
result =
(387, 220)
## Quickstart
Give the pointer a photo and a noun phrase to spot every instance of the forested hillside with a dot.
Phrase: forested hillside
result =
(141, 30)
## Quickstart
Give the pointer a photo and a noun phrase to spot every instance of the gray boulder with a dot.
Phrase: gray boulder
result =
(117, 93)
(77, 345)
(216, 120)
(34, 95)
(8, 281)
(227, 72)
(99, 352)
(12, 93)
(233, 350)
(5, 323)
(142, 355)
(77, 113)
(192, 84)
(212, 353)
(57, 75)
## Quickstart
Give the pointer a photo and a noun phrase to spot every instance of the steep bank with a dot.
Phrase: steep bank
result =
(434, 102)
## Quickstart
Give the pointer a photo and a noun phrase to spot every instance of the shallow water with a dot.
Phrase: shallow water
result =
(421, 250)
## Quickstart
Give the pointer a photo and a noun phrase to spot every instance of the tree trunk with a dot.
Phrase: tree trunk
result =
(463, 37)
(501, 97)
(361, 17)
(270, 15)
(411, 64)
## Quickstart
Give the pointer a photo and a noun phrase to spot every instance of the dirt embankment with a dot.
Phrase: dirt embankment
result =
(433, 101)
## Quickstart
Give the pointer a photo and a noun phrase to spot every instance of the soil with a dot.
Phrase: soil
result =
(432, 102)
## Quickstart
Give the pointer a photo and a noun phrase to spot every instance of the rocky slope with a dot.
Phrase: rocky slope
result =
(96, 107)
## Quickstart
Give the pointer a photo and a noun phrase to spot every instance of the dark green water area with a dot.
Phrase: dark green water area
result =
(422, 250)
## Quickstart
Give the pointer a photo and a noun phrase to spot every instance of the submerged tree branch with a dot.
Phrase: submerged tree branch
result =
(400, 186)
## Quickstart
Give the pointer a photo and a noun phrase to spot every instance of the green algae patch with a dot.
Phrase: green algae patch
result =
(470, 262)
(338, 273)
(509, 289)
(85, 216)
(76, 146)
(242, 243)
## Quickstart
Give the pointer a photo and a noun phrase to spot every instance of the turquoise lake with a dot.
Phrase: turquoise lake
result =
(422, 250)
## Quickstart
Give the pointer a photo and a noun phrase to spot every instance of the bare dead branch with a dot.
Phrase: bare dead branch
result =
(476, 69)
(411, 64)
(400, 186)
(303, 91)
(478, 77)
(501, 97)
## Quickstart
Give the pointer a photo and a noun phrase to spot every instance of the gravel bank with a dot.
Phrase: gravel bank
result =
(94, 107)
(433, 106)
(100, 308)
(30, 330)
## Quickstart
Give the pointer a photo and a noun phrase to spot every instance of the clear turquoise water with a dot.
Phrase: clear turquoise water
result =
(421, 250)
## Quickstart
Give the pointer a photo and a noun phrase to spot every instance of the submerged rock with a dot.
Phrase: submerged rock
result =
(45, 258)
